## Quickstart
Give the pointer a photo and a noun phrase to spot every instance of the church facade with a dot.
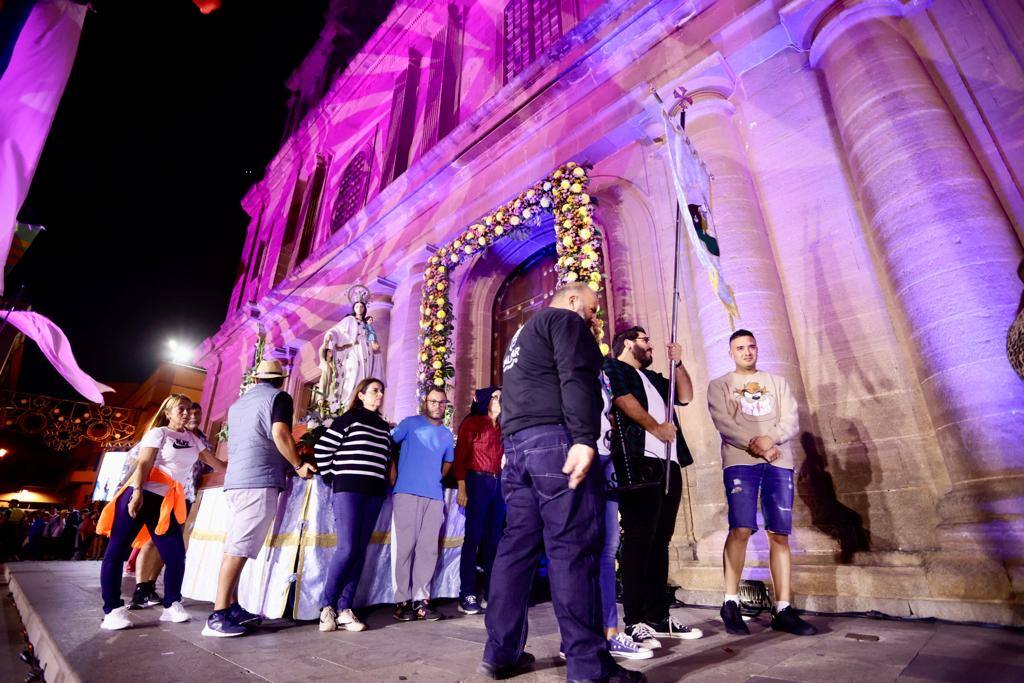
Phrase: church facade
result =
(866, 158)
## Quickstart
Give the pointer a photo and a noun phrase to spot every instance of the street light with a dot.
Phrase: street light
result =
(3, 452)
(179, 353)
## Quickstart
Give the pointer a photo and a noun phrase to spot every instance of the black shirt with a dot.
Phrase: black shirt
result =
(623, 379)
(283, 409)
(551, 376)
(354, 452)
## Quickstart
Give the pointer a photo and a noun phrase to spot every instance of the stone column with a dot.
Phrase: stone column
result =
(403, 333)
(949, 252)
(751, 270)
(379, 307)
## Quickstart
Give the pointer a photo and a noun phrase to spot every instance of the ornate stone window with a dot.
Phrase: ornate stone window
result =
(355, 181)
(530, 28)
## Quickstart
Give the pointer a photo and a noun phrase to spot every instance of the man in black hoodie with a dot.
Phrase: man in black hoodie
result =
(550, 421)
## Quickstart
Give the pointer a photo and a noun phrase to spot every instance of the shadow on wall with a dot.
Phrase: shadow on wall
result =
(817, 489)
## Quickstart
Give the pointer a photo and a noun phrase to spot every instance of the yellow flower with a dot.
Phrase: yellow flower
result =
(468, 249)
(566, 208)
(604, 349)
(456, 244)
(565, 184)
(587, 249)
(488, 220)
(441, 270)
(514, 220)
(571, 276)
(423, 357)
(576, 187)
(441, 315)
(567, 224)
(594, 277)
(594, 285)
(441, 286)
(585, 198)
(455, 258)
(438, 382)
(586, 264)
(442, 349)
(579, 172)
(547, 187)
(569, 260)
(438, 327)
(585, 233)
(529, 194)
(558, 174)
(436, 365)
(482, 241)
(500, 216)
(499, 230)
(439, 300)
(567, 240)
(545, 202)
(526, 214)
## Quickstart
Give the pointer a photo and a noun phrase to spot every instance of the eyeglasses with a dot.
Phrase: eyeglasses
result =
(442, 402)
(646, 340)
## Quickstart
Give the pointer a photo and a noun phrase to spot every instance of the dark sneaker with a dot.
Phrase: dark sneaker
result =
(404, 611)
(787, 620)
(220, 625)
(424, 612)
(672, 628)
(469, 605)
(145, 595)
(643, 635)
(733, 620)
(244, 618)
(499, 673)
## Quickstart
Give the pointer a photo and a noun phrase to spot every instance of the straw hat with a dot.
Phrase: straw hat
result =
(269, 369)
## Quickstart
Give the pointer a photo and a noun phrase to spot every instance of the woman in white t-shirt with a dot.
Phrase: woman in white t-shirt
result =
(167, 452)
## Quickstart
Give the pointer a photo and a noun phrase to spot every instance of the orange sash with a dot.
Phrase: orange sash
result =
(174, 503)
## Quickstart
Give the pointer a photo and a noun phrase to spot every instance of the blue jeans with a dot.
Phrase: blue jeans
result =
(743, 483)
(123, 531)
(485, 518)
(355, 516)
(609, 610)
(544, 514)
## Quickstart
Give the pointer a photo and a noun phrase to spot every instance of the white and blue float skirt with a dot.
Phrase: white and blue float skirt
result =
(298, 550)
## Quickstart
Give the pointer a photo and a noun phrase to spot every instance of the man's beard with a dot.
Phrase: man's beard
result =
(643, 356)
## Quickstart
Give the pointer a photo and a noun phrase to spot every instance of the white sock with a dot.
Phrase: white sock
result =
(781, 605)
(734, 598)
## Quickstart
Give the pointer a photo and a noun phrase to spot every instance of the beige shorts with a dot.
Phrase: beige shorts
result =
(252, 513)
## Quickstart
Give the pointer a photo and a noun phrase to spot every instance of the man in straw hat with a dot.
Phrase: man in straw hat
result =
(260, 442)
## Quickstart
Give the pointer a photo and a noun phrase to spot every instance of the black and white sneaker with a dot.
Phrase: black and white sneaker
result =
(733, 619)
(424, 612)
(643, 635)
(673, 628)
(469, 605)
(789, 621)
(404, 611)
(145, 595)
(220, 625)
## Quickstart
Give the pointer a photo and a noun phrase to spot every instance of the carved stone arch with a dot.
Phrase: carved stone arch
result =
(352, 189)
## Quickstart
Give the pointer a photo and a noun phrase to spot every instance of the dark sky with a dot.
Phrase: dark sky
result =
(168, 118)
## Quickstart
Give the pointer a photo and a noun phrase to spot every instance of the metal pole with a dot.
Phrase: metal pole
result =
(670, 411)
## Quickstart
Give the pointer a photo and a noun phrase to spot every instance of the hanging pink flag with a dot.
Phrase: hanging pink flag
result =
(30, 90)
(57, 349)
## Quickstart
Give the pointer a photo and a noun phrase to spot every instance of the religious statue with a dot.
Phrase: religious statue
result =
(349, 353)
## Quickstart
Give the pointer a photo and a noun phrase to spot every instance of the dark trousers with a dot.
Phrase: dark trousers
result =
(545, 514)
(648, 521)
(485, 518)
(170, 545)
(355, 516)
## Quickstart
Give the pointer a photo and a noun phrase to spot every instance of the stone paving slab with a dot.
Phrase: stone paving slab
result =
(63, 602)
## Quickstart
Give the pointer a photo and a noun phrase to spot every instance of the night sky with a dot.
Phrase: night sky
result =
(168, 118)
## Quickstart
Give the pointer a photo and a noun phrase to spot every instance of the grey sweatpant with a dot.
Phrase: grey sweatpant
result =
(415, 529)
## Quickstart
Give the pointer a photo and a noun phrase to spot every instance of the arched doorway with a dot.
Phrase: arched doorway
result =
(527, 290)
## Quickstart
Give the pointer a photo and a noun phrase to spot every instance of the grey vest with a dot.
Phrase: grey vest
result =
(253, 460)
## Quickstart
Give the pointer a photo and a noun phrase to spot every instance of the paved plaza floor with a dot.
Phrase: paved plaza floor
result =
(60, 606)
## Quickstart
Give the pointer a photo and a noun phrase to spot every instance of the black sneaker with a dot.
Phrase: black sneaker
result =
(670, 627)
(404, 611)
(623, 675)
(220, 625)
(789, 621)
(733, 620)
(424, 612)
(498, 673)
(145, 595)
(244, 618)
(469, 605)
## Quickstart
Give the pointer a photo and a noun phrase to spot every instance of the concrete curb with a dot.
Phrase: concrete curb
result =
(56, 668)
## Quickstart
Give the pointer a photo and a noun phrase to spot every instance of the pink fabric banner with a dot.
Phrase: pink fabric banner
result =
(30, 90)
(57, 349)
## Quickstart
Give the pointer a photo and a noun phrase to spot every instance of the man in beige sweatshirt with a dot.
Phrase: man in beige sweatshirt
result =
(756, 415)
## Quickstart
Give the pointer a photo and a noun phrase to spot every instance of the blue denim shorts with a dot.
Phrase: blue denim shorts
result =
(743, 483)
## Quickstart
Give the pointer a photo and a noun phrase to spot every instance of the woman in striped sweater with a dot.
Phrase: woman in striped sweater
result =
(353, 457)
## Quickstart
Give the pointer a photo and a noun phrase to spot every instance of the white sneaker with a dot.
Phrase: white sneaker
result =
(116, 619)
(175, 613)
(348, 620)
(328, 619)
(673, 628)
(643, 635)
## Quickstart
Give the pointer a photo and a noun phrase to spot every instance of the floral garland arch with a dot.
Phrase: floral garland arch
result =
(577, 242)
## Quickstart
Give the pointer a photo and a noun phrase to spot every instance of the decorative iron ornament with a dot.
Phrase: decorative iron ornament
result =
(63, 424)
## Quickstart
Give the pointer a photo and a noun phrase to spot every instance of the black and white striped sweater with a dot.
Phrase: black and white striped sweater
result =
(354, 453)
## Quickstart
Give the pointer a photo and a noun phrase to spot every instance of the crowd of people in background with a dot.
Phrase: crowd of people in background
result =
(49, 533)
